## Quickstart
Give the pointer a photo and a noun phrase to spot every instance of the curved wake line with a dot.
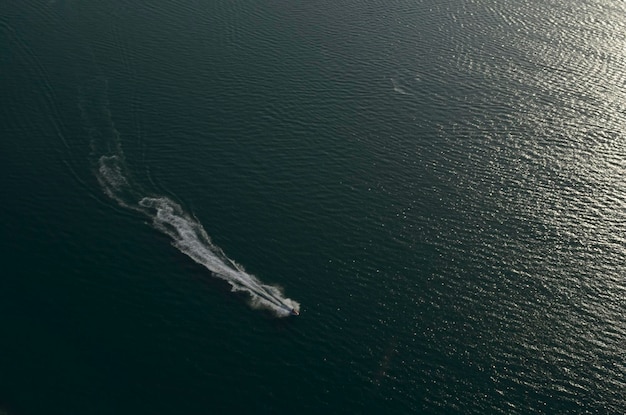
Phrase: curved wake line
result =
(187, 233)
(190, 238)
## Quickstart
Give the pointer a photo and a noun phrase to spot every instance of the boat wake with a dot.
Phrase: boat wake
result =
(187, 233)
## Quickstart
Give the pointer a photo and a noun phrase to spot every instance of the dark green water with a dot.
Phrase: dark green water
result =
(440, 185)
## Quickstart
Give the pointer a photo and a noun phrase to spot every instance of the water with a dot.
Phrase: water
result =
(187, 234)
(439, 187)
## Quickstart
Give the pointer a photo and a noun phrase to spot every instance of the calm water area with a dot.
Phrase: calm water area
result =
(437, 187)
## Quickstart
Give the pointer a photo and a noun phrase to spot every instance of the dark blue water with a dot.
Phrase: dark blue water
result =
(439, 188)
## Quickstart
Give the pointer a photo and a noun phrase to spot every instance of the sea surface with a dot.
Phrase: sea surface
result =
(438, 187)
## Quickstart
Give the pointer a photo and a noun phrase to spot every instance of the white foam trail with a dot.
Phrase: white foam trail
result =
(189, 236)
(187, 233)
